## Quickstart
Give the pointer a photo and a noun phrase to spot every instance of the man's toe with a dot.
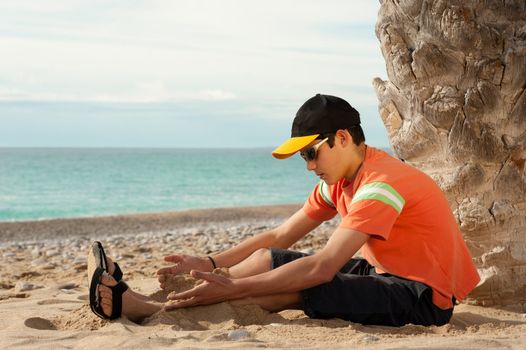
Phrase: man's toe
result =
(111, 265)
(106, 307)
(105, 294)
(106, 301)
(108, 280)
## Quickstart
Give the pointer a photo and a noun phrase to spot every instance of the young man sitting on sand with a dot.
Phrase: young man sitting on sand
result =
(415, 263)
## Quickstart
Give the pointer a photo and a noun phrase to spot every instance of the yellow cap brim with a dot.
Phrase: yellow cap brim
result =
(293, 145)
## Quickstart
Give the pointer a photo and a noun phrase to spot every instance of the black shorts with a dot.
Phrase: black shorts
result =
(358, 294)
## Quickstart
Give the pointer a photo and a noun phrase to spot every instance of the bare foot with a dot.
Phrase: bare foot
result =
(111, 270)
(132, 307)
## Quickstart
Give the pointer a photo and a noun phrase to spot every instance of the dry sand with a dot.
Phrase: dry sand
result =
(43, 292)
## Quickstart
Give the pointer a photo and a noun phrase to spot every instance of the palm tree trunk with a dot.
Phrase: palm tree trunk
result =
(455, 107)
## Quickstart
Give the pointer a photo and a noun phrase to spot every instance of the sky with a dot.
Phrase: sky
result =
(171, 73)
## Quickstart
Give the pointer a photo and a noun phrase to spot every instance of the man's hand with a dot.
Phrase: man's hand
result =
(183, 264)
(214, 289)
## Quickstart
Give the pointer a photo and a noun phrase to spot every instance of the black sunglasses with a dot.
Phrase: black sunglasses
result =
(312, 152)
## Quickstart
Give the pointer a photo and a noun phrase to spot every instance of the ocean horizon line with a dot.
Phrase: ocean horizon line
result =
(135, 147)
(156, 147)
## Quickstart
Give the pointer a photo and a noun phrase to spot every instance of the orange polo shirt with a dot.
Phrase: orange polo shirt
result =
(413, 232)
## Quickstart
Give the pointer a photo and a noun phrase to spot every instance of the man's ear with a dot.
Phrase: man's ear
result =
(343, 137)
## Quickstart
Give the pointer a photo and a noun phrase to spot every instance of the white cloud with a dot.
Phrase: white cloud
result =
(266, 54)
(215, 95)
(88, 49)
(210, 95)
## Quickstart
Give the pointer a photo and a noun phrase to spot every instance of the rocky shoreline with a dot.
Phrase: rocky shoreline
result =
(139, 223)
(32, 252)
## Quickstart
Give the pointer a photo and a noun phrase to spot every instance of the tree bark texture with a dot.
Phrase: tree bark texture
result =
(454, 106)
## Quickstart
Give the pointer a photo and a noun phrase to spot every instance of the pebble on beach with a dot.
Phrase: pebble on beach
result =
(22, 286)
(238, 334)
(68, 285)
(371, 338)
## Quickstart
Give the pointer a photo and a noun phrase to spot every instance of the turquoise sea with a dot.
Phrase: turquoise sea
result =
(44, 183)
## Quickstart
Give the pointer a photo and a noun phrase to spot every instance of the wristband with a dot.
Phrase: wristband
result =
(213, 262)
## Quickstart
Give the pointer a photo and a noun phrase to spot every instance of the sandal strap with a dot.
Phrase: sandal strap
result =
(101, 255)
(116, 296)
(117, 274)
(94, 299)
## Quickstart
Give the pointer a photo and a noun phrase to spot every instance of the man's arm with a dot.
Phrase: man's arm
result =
(292, 277)
(283, 236)
(308, 271)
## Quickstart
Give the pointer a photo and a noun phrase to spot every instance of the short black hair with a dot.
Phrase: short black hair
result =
(356, 131)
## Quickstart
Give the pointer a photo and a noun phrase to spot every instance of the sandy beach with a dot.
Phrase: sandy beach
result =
(43, 291)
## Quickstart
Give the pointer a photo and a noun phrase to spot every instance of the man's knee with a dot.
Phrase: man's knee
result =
(262, 253)
(261, 256)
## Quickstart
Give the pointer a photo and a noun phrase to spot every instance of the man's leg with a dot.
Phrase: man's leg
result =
(259, 262)
(111, 269)
(273, 303)
(136, 306)
(263, 260)
(133, 307)
(374, 299)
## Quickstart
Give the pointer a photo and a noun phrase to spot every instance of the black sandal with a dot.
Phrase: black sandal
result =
(97, 266)
(117, 274)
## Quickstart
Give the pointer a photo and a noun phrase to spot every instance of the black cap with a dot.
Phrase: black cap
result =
(321, 114)
(324, 114)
